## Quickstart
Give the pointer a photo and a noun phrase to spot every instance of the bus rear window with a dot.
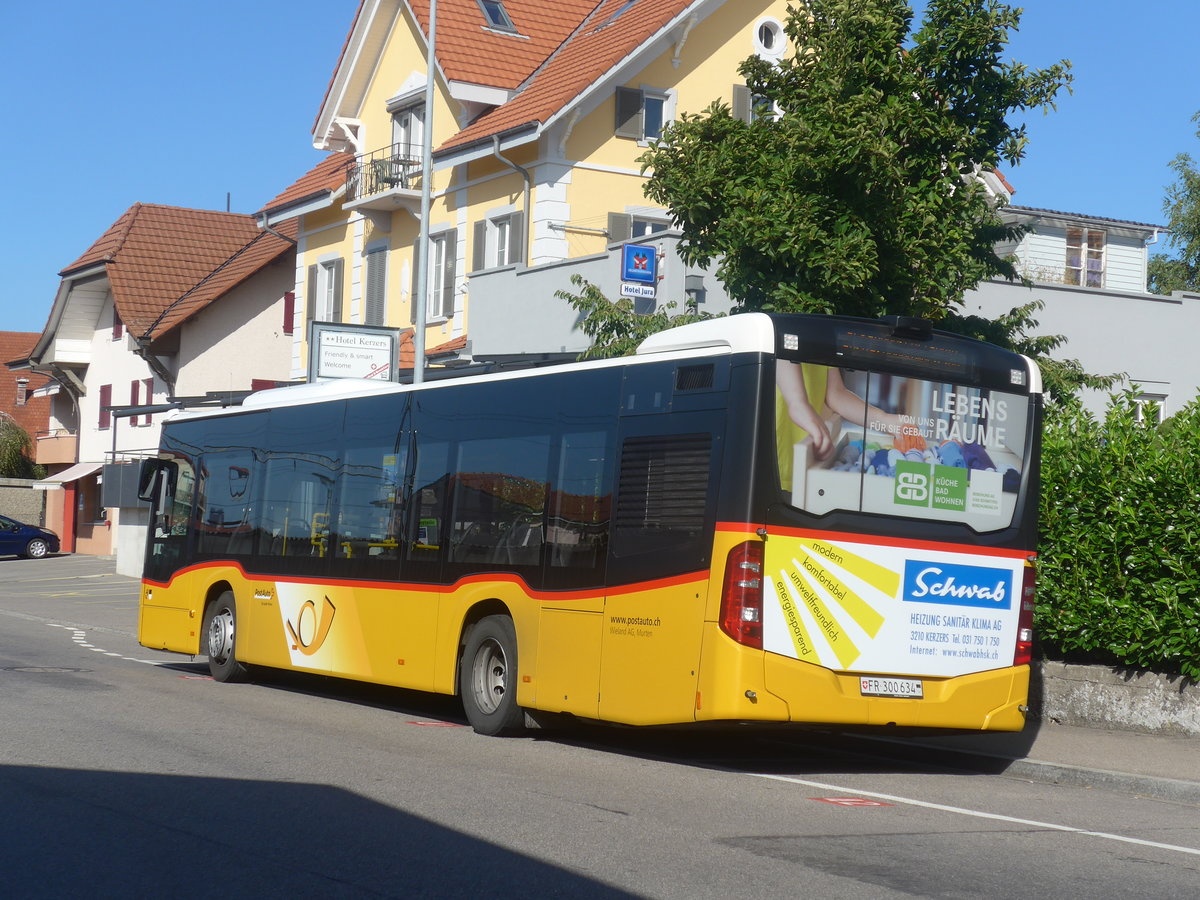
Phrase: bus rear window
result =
(856, 440)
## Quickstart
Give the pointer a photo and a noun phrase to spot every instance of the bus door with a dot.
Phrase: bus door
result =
(663, 521)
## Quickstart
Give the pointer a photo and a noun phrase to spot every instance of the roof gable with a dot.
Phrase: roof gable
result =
(469, 51)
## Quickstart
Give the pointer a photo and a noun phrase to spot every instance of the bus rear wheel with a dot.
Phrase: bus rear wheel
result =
(220, 631)
(488, 677)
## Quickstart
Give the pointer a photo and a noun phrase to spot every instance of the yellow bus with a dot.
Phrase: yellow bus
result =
(763, 518)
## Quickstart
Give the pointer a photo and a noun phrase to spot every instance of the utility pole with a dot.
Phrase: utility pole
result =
(422, 262)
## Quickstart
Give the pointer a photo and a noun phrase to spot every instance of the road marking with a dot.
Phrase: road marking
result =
(80, 638)
(979, 814)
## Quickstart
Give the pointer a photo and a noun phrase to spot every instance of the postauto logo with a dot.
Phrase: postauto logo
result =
(957, 585)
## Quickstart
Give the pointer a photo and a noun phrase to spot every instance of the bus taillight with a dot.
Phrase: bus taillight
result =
(1023, 654)
(742, 595)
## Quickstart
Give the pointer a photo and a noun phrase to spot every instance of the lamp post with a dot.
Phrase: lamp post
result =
(422, 261)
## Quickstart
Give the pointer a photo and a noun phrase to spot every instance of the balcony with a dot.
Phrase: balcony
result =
(56, 447)
(385, 180)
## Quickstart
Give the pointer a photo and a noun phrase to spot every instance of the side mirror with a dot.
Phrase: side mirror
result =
(148, 478)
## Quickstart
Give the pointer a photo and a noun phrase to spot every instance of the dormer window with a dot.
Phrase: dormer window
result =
(496, 15)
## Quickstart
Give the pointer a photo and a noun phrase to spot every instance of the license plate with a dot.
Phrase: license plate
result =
(874, 686)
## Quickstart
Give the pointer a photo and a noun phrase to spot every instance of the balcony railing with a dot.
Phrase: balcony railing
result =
(396, 166)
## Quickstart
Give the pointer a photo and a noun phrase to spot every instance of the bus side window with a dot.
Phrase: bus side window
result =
(580, 510)
(427, 510)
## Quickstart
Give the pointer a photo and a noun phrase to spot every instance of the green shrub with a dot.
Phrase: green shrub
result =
(1120, 538)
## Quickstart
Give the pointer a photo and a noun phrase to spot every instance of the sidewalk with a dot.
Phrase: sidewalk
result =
(85, 591)
(1166, 767)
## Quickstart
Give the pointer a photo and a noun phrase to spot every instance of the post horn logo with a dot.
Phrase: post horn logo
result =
(309, 631)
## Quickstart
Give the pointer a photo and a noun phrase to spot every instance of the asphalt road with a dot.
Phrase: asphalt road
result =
(125, 772)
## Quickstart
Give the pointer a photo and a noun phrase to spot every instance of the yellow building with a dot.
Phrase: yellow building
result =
(539, 116)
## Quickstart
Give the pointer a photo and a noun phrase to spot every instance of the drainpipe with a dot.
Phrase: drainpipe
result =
(524, 173)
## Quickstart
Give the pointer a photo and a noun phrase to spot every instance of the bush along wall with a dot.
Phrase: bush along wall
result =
(1120, 538)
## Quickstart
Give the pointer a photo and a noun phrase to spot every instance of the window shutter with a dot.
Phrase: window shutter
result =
(479, 246)
(516, 238)
(148, 390)
(376, 263)
(289, 312)
(336, 274)
(310, 302)
(620, 227)
(135, 397)
(742, 104)
(629, 113)
(118, 327)
(105, 418)
(449, 262)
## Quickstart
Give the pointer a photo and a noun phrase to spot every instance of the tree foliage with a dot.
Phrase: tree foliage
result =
(1182, 207)
(614, 327)
(860, 195)
(16, 452)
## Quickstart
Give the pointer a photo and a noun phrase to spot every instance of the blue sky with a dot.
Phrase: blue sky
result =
(109, 104)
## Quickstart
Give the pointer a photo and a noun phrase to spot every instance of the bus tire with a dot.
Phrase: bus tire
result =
(488, 677)
(220, 631)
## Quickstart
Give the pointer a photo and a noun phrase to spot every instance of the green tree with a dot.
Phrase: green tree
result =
(16, 451)
(1182, 207)
(860, 196)
(615, 328)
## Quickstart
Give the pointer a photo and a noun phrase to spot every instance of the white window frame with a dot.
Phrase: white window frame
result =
(1092, 246)
(439, 296)
(1143, 401)
(770, 40)
(638, 132)
(326, 302)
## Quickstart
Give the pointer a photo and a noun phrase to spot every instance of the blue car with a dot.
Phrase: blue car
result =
(29, 541)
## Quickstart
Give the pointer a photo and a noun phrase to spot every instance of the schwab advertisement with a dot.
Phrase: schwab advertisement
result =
(852, 606)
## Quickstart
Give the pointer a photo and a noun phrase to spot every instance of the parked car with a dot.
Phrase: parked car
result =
(30, 541)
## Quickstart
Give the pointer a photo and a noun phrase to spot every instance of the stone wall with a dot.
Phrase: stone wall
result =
(1118, 699)
(19, 500)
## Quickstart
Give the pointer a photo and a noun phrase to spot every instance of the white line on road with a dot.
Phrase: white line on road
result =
(979, 814)
(80, 639)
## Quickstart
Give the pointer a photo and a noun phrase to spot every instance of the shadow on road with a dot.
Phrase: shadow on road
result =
(72, 833)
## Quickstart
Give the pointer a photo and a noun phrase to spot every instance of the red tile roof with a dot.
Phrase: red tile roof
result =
(34, 416)
(325, 177)
(408, 353)
(469, 50)
(600, 44)
(165, 263)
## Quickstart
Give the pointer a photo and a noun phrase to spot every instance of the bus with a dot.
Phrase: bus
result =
(755, 519)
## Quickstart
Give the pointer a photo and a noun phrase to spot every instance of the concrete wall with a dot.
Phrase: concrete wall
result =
(514, 310)
(1144, 336)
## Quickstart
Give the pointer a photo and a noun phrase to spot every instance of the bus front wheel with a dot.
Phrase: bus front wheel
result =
(220, 631)
(488, 677)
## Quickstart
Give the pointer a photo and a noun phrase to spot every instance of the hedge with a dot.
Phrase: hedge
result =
(1120, 538)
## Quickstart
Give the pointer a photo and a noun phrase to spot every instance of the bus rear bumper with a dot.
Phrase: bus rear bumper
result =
(986, 701)
(757, 686)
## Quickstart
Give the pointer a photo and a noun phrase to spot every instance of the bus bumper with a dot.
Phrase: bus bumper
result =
(744, 684)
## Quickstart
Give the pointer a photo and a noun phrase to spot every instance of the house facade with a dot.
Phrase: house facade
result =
(1090, 273)
(167, 304)
(539, 116)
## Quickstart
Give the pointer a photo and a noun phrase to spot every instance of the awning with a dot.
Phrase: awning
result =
(72, 473)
